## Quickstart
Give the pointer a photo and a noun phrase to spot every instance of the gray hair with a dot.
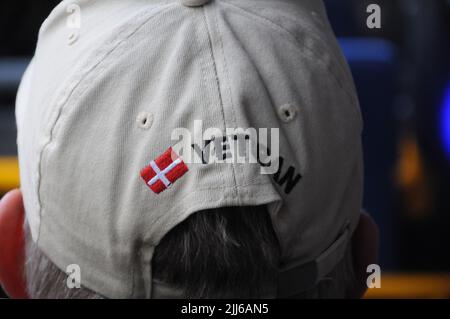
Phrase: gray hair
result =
(242, 237)
(46, 281)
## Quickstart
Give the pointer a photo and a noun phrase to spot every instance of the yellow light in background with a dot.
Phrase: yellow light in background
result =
(9, 174)
(412, 286)
(412, 178)
(410, 171)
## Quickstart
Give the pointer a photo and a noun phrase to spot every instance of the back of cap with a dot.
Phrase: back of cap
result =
(103, 108)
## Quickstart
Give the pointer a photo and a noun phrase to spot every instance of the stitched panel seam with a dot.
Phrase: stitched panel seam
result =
(208, 28)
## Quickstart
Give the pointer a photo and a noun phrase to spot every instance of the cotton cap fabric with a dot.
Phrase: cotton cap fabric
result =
(230, 64)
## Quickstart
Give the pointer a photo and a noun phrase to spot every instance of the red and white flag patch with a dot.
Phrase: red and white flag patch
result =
(164, 171)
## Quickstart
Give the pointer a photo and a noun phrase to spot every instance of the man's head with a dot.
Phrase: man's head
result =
(101, 113)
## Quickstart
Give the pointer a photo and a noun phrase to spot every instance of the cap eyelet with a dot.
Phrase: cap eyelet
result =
(287, 112)
(144, 120)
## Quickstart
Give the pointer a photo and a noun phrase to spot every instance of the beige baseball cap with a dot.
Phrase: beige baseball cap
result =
(112, 82)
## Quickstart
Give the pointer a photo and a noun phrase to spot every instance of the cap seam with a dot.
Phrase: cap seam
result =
(216, 73)
(227, 82)
(205, 81)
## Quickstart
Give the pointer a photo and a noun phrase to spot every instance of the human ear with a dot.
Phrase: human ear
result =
(12, 245)
(365, 242)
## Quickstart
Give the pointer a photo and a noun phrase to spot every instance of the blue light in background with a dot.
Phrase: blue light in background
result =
(446, 121)
(363, 50)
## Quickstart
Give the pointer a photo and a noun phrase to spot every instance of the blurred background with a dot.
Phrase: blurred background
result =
(402, 73)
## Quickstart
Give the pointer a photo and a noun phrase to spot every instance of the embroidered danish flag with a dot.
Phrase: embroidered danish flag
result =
(164, 171)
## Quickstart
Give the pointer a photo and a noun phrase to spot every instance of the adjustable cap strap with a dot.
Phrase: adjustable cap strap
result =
(295, 279)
